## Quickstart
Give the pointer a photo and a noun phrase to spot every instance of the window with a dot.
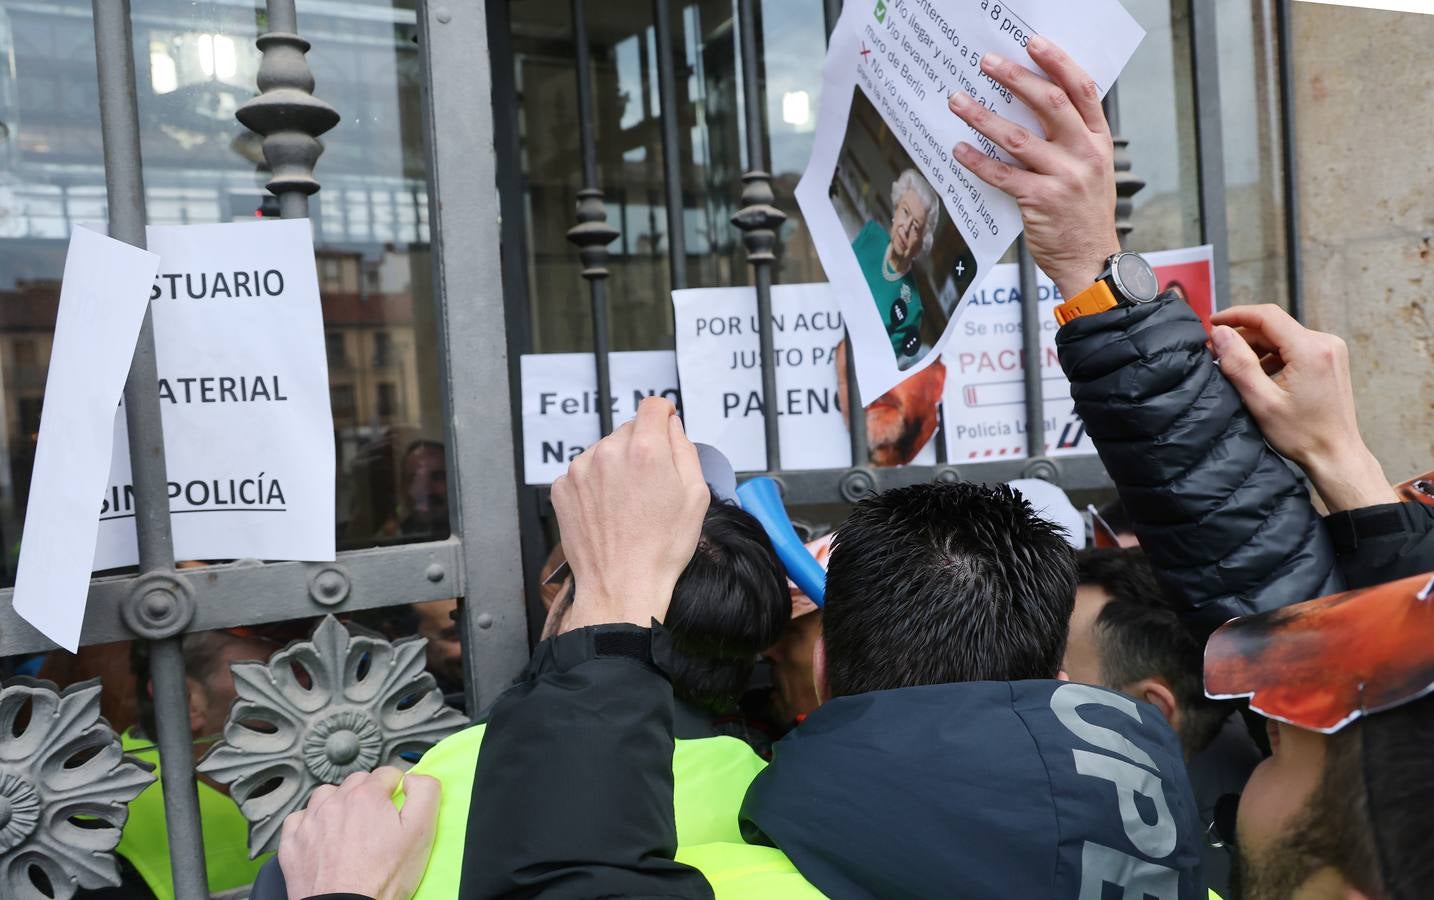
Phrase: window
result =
(387, 399)
(335, 345)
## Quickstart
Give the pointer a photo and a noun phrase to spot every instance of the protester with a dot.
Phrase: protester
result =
(1228, 528)
(143, 849)
(1341, 808)
(727, 606)
(1124, 637)
(794, 694)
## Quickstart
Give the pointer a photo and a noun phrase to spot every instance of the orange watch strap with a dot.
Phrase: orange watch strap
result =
(1094, 299)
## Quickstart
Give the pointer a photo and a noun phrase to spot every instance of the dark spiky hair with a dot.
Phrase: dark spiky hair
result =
(939, 583)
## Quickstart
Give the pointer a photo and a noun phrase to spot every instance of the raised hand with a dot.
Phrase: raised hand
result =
(1296, 384)
(1065, 183)
(630, 510)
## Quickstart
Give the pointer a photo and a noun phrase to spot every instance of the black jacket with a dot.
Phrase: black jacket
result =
(1383, 543)
(1229, 529)
(982, 790)
(574, 795)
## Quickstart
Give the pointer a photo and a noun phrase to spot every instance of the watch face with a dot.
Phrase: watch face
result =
(1135, 278)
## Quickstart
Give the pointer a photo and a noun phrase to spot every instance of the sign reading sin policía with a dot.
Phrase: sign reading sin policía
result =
(244, 395)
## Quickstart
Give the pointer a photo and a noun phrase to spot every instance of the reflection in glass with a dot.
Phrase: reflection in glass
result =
(195, 64)
(629, 111)
(1250, 130)
(1157, 116)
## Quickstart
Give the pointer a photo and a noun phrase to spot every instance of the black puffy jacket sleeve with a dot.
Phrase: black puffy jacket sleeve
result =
(1228, 528)
(574, 795)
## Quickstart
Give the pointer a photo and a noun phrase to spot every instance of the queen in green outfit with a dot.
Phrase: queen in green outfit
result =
(886, 261)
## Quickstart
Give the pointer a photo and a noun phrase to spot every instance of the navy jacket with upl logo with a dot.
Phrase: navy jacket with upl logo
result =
(982, 790)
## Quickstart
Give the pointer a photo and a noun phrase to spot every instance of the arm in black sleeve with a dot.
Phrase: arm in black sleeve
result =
(1228, 528)
(574, 794)
(1383, 543)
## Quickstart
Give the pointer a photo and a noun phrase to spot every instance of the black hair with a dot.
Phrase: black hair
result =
(729, 604)
(1124, 573)
(1398, 776)
(1139, 637)
(939, 583)
(1116, 517)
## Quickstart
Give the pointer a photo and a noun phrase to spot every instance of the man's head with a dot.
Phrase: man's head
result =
(207, 657)
(1343, 815)
(939, 583)
(1123, 637)
(729, 605)
(425, 488)
(434, 621)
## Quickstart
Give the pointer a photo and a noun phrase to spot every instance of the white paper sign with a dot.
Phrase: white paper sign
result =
(102, 302)
(560, 402)
(244, 394)
(906, 260)
(985, 385)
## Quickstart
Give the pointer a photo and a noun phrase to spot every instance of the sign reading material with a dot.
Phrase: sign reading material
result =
(102, 302)
(244, 393)
(904, 230)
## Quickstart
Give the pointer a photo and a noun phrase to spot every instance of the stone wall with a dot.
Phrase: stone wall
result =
(1365, 106)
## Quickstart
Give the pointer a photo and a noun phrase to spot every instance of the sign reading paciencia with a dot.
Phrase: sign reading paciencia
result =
(560, 402)
(244, 394)
(900, 226)
(985, 399)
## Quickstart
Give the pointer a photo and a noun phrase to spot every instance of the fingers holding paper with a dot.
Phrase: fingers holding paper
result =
(1065, 181)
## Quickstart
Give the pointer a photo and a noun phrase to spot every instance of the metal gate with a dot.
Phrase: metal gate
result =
(476, 215)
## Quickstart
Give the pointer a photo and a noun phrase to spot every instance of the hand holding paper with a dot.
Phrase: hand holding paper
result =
(907, 231)
(1067, 189)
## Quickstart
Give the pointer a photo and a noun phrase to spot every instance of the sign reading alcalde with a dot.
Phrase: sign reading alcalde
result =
(244, 394)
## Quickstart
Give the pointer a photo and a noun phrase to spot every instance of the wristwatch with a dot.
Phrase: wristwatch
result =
(1126, 281)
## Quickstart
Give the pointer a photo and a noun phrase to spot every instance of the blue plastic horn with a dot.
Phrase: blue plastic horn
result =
(763, 500)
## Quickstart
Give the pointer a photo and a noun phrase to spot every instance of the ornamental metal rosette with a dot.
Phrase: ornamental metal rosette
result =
(318, 711)
(61, 765)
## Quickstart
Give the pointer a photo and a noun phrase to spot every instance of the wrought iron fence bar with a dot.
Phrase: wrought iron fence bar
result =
(860, 449)
(472, 340)
(250, 592)
(759, 220)
(671, 146)
(822, 487)
(1031, 352)
(149, 600)
(1127, 183)
(1294, 269)
(286, 113)
(592, 234)
(1209, 143)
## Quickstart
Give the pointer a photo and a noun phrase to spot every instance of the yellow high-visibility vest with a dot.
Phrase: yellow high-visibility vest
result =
(710, 777)
(145, 841)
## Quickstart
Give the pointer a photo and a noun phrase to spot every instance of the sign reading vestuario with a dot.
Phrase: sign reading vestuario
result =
(244, 393)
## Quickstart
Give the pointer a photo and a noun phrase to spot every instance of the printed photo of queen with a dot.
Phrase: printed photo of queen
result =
(886, 256)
